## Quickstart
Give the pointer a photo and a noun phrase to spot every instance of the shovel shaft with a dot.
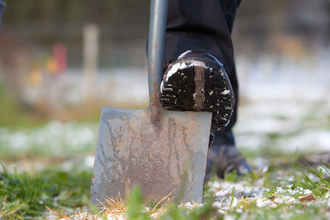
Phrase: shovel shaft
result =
(156, 43)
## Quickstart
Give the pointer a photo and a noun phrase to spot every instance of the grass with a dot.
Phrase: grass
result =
(135, 209)
(284, 207)
(30, 193)
(58, 191)
(37, 194)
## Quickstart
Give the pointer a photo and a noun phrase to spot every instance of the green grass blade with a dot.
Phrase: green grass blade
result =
(4, 168)
(325, 168)
(309, 179)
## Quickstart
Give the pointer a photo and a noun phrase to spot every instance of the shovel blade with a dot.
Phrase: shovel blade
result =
(164, 153)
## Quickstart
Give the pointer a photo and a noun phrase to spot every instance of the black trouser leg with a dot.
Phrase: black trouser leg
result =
(204, 25)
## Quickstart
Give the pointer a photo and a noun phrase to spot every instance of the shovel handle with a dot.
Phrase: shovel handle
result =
(156, 43)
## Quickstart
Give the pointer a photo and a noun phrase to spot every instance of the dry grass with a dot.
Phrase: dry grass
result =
(113, 206)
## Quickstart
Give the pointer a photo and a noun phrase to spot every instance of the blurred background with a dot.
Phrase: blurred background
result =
(60, 61)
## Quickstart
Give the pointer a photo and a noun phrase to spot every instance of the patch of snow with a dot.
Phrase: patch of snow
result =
(89, 160)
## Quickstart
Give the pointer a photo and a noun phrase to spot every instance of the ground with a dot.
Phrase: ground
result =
(283, 130)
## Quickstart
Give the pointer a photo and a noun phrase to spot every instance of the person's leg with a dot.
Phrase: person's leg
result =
(199, 26)
(206, 26)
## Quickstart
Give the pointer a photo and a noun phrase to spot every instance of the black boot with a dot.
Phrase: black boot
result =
(197, 81)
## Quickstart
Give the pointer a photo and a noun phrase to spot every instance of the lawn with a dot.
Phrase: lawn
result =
(46, 168)
(46, 174)
(293, 191)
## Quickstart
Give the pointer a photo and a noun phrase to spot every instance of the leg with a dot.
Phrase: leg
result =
(206, 26)
(200, 26)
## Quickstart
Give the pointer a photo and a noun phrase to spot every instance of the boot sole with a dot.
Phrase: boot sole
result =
(193, 85)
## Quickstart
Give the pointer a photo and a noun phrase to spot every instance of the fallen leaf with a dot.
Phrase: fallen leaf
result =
(307, 198)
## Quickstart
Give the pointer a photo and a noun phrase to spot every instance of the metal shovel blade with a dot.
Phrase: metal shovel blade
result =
(162, 155)
(165, 152)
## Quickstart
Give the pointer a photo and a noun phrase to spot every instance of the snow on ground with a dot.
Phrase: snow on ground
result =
(244, 197)
(51, 139)
(286, 99)
(55, 139)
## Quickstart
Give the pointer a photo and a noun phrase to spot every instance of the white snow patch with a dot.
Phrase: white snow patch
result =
(89, 160)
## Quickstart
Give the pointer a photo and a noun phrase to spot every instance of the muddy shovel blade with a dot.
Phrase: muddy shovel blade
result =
(164, 155)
